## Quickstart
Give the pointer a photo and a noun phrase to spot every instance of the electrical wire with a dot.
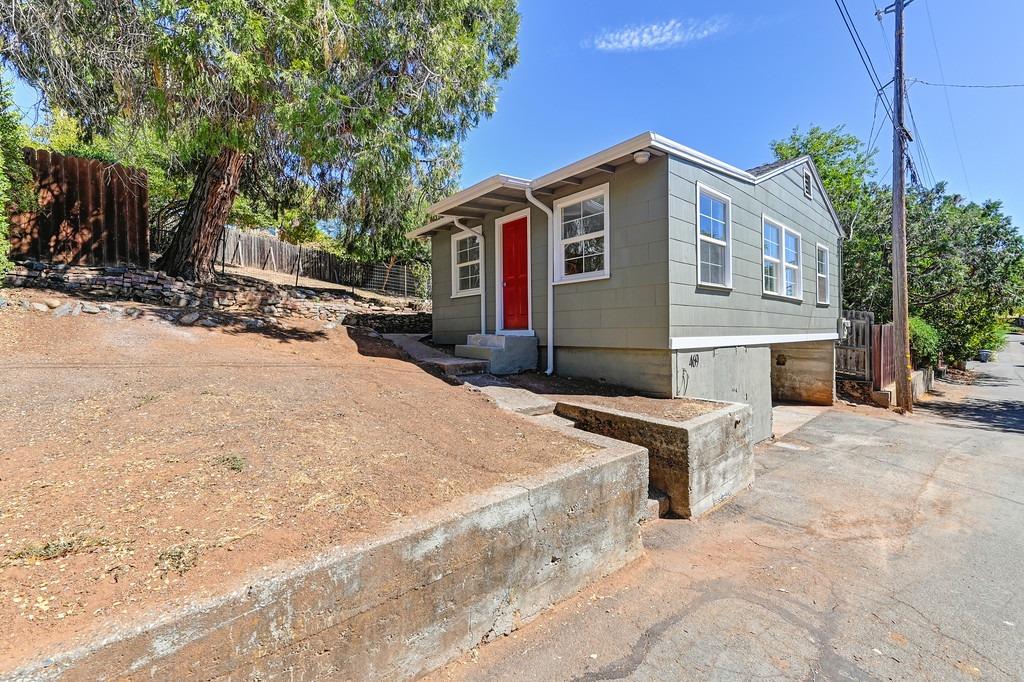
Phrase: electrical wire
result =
(865, 56)
(945, 92)
(966, 85)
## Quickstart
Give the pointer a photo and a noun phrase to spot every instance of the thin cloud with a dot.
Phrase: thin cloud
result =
(657, 36)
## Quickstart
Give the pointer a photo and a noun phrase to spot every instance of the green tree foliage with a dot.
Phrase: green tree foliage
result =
(965, 260)
(924, 343)
(15, 176)
(357, 99)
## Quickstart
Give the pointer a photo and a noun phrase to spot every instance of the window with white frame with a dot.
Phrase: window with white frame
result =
(781, 249)
(465, 265)
(582, 220)
(714, 266)
(791, 285)
(772, 236)
(822, 274)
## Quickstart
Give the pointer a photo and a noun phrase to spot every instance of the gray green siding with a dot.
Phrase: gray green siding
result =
(745, 310)
(627, 310)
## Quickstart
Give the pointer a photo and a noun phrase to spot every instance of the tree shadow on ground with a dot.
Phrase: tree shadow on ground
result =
(975, 413)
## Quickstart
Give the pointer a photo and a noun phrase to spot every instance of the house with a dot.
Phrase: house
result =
(668, 271)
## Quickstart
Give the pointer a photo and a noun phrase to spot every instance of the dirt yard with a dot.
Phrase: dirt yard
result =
(145, 464)
(608, 395)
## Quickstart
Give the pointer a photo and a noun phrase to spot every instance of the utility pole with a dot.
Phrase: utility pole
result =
(900, 303)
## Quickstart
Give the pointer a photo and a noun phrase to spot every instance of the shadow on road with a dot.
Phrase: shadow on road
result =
(975, 413)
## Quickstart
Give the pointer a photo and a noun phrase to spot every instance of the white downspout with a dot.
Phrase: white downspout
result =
(551, 279)
(483, 274)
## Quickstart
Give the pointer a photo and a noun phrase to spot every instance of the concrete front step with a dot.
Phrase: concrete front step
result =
(476, 352)
(657, 503)
(506, 354)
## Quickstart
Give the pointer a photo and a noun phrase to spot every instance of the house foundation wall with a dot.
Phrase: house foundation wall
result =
(647, 371)
(736, 374)
(804, 372)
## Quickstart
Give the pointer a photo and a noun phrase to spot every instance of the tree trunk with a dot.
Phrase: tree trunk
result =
(193, 248)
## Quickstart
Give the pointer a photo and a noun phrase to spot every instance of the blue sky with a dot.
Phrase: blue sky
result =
(727, 77)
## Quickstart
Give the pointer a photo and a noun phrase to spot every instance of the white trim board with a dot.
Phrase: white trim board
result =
(697, 342)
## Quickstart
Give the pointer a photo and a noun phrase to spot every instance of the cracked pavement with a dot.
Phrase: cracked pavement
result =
(872, 546)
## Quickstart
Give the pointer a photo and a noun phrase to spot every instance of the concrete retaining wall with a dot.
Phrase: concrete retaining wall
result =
(804, 372)
(733, 374)
(402, 605)
(699, 463)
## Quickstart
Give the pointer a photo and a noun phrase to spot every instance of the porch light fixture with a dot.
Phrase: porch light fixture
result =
(642, 156)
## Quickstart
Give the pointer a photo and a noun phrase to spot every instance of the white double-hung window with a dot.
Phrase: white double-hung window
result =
(582, 237)
(714, 238)
(781, 256)
(822, 274)
(465, 265)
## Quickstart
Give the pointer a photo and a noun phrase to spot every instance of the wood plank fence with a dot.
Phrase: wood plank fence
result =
(867, 352)
(90, 213)
(261, 250)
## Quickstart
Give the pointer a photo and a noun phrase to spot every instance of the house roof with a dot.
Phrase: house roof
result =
(498, 193)
(766, 168)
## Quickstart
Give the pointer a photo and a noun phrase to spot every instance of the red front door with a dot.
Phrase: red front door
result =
(515, 286)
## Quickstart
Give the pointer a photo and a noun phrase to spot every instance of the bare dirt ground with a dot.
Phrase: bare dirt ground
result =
(283, 278)
(144, 465)
(608, 395)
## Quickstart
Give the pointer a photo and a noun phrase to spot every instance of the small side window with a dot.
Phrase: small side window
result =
(465, 265)
(808, 184)
(822, 275)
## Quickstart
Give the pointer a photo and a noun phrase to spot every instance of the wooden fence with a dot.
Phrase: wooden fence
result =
(883, 357)
(90, 213)
(867, 352)
(853, 354)
(263, 251)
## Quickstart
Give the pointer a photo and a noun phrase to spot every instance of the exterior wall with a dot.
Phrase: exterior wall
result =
(804, 372)
(735, 374)
(745, 310)
(648, 371)
(629, 309)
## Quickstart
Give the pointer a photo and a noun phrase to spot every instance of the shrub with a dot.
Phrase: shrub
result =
(924, 343)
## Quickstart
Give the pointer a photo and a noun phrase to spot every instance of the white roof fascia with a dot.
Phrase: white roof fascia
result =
(479, 189)
(604, 156)
(429, 227)
(699, 158)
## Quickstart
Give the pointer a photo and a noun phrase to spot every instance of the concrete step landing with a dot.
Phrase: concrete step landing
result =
(504, 354)
(657, 503)
(432, 357)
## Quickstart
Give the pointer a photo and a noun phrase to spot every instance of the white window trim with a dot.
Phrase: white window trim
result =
(704, 189)
(456, 238)
(559, 271)
(827, 275)
(808, 183)
(780, 279)
(499, 294)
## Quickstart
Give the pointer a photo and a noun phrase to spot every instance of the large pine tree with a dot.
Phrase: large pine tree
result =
(355, 98)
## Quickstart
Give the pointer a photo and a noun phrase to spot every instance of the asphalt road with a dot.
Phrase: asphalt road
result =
(872, 546)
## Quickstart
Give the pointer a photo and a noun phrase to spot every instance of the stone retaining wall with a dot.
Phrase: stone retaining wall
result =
(226, 293)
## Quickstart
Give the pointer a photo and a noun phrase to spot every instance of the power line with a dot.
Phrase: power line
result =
(965, 85)
(945, 92)
(926, 165)
(865, 56)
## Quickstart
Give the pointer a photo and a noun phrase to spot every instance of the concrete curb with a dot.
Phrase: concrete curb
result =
(400, 605)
